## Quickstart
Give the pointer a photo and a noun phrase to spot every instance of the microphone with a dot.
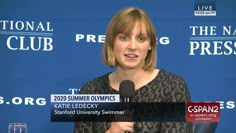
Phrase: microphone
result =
(127, 91)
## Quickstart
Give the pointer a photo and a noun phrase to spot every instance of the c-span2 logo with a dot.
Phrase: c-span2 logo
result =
(205, 8)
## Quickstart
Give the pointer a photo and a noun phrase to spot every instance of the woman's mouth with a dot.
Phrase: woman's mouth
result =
(131, 55)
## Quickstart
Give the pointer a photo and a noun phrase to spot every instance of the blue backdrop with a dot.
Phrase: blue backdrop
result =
(47, 47)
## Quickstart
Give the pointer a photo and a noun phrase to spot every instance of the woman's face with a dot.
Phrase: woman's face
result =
(130, 50)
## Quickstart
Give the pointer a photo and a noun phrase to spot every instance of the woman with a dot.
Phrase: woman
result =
(130, 47)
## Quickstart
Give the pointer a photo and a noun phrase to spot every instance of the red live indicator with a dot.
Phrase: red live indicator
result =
(203, 112)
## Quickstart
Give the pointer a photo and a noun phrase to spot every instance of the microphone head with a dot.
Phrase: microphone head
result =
(127, 88)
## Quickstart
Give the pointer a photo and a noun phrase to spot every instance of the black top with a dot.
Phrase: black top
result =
(165, 87)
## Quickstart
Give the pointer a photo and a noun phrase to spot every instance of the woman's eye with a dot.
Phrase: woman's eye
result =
(123, 38)
(141, 39)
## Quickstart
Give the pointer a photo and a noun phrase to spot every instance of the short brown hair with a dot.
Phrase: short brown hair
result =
(124, 21)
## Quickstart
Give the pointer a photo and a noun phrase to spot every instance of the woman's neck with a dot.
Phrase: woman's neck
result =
(131, 74)
(140, 77)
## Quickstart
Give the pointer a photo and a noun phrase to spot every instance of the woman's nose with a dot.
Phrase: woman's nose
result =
(132, 44)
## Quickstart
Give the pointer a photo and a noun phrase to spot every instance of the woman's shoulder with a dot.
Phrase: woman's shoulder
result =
(165, 74)
(91, 85)
(100, 79)
(177, 89)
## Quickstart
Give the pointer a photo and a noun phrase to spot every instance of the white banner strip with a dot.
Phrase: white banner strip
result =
(95, 98)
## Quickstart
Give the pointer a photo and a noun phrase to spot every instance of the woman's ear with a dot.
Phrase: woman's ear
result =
(149, 48)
